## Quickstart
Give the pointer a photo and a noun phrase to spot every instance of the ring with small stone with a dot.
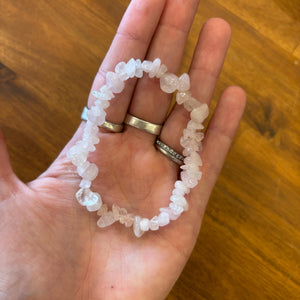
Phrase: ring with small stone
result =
(152, 128)
(169, 152)
(107, 125)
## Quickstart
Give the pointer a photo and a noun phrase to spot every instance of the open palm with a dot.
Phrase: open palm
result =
(51, 247)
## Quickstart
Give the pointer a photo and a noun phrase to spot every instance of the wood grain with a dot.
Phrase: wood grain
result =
(249, 245)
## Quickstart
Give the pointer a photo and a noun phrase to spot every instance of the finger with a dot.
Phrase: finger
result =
(7, 176)
(219, 135)
(206, 66)
(131, 40)
(149, 102)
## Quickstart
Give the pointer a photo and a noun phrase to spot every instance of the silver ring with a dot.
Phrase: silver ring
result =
(169, 152)
(107, 125)
(142, 124)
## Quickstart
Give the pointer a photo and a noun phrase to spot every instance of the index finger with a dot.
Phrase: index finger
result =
(132, 39)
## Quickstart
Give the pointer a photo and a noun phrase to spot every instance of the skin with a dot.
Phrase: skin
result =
(50, 246)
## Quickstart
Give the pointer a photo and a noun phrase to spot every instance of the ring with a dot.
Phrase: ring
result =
(107, 125)
(169, 152)
(142, 124)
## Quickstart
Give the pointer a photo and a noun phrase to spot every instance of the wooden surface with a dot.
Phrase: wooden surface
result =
(249, 245)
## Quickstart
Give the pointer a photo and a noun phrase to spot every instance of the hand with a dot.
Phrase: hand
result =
(50, 246)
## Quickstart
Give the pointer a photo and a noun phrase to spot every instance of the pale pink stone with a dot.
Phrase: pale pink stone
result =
(106, 90)
(193, 125)
(97, 205)
(170, 212)
(184, 83)
(154, 225)
(180, 201)
(155, 68)
(169, 83)
(179, 185)
(190, 179)
(77, 155)
(106, 220)
(182, 97)
(86, 184)
(191, 104)
(162, 70)
(115, 211)
(199, 114)
(87, 197)
(102, 103)
(90, 173)
(177, 210)
(138, 69)
(114, 82)
(136, 227)
(127, 220)
(131, 68)
(194, 158)
(145, 224)
(163, 219)
(147, 66)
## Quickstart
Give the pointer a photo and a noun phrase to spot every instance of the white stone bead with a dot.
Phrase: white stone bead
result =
(179, 185)
(80, 194)
(108, 94)
(96, 118)
(162, 70)
(87, 197)
(190, 133)
(189, 143)
(121, 70)
(193, 125)
(177, 210)
(199, 114)
(131, 68)
(90, 172)
(91, 139)
(190, 167)
(97, 111)
(114, 82)
(77, 155)
(194, 158)
(191, 104)
(182, 97)
(102, 103)
(123, 216)
(147, 66)
(163, 219)
(170, 212)
(90, 128)
(136, 227)
(85, 184)
(155, 68)
(169, 83)
(115, 211)
(97, 205)
(188, 179)
(145, 224)
(154, 225)
(180, 201)
(106, 220)
(184, 83)
(128, 220)
(81, 169)
(138, 69)
(177, 192)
